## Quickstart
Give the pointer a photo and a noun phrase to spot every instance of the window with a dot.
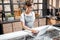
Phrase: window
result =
(9, 6)
(15, 7)
(0, 1)
(5, 6)
(6, 1)
(53, 6)
(0, 5)
(38, 6)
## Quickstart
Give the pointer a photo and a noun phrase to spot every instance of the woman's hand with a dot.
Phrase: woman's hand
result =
(34, 31)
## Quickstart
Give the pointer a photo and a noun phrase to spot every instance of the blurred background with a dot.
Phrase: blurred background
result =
(47, 12)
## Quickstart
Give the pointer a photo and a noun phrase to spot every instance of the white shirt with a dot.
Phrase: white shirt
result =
(22, 16)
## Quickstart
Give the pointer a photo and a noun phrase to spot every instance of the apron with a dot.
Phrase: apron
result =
(28, 20)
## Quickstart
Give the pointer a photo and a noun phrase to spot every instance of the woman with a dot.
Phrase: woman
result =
(28, 17)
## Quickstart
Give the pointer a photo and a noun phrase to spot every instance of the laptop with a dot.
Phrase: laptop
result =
(41, 30)
(57, 25)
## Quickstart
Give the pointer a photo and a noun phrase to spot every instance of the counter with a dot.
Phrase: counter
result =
(11, 26)
(19, 34)
(15, 25)
(4, 22)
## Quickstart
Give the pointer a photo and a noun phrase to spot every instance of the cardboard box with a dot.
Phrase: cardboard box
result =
(42, 21)
(17, 26)
(7, 28)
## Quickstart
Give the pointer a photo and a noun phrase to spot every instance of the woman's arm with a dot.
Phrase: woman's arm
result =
(23, 22)
(26, 27)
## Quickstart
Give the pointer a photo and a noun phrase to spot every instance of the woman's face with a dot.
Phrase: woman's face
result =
(28, 9)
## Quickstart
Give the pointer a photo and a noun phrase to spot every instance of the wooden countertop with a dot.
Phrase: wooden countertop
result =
(4, 22)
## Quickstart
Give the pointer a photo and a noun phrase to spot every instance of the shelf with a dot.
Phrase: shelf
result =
(4, 22)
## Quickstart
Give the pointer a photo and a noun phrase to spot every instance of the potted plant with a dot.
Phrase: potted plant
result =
(10, 17)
